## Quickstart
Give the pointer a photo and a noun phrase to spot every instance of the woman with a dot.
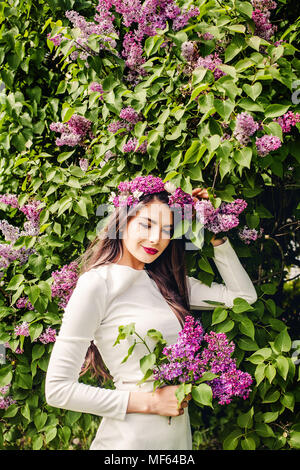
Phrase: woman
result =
(133, 272)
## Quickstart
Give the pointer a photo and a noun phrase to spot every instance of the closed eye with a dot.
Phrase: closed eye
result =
(149, 226)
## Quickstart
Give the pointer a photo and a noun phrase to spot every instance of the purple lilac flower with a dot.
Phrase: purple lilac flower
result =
(183, 202)
(73, 132)
(55, 39)
(245, 127)
(49, 336)
(266, 144)
(187, 360)
(64, 283)
(84, 164)
(222, 219)
(211, 62)
(131, 145)
(130, 115)
(5, 402)
(250, 234)
(9, 199)
(22, 329)
(24, 302)
(288, 120)
(95, 86)
(261, 17)
(188, 51)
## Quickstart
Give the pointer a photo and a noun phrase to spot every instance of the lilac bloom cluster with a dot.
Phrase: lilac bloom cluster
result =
(102, 26)
(131, 146)
(55, 39)
(64, 282)
(129, 117)
(245, 127)
(5, 400)
(31, 210)
(147, 16)
(261, 17)
(84, 164)
(73, 132)
(266, 144)
(24, 302)
(288, 120)
(187, 360)
(130, 192)
(95, 86)
(49, 336)
(250, 234)
(221, 219)
(211, 62)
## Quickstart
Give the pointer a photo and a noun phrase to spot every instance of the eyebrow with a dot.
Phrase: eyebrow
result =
(155, 223)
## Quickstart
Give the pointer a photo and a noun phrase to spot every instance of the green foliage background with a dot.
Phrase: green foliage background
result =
(185, 147)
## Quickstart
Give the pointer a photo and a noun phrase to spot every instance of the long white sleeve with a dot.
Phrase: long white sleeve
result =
(81, 318)
(237, 281)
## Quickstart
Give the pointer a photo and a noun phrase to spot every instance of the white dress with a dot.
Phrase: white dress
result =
(103, 299)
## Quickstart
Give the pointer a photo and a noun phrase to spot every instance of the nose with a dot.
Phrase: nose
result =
(154, 235)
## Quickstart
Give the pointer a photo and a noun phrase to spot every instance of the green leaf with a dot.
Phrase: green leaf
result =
(35, 330)
(15, 282)
(270, 372)
(283, 341)
(80, 208)
(203, 264)
(50, 434)
(37, 351)
(288, 400)
(241, 305)
(202, 394)
(275, 110)
(259, 373)
(147, 362)
(232, 440)
(247, 328)
(264, 430)
(219, 315)
(248, 443)
(270, 416)
(5, 375)
(282, 365)
(294, 439)
(243, 156)
(253, 90)
(244, 420)
(271, 396)
(40, 419)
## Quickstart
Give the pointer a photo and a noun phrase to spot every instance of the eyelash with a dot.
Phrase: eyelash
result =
(148, 226)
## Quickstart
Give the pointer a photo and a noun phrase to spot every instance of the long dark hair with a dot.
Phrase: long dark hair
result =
(168, 270)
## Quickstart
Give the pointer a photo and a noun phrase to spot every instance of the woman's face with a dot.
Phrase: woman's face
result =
(147, 234)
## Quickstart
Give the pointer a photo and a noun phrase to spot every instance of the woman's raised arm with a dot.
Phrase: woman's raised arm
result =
(237, 281)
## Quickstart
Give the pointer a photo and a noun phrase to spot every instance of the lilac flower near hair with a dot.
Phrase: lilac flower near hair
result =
(221, 219)
(266, 144)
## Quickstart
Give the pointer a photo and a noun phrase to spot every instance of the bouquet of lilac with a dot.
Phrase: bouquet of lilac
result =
(195, 359)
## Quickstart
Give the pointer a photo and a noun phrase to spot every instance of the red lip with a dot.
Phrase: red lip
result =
(150, 251)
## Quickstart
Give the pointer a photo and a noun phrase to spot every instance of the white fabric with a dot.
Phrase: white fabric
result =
(105, 298)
